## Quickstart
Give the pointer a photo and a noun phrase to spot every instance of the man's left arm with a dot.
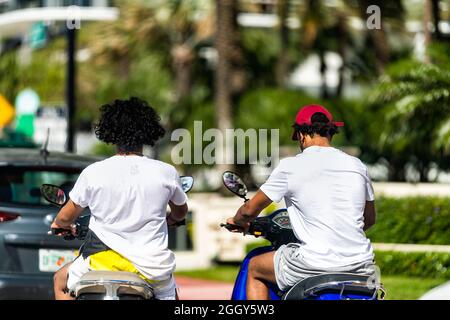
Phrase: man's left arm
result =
(369, 215)
(67, 216)
(250, 210)
(273, 190)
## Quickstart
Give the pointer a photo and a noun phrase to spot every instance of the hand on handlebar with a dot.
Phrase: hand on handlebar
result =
(65, 232)
(232, 226)
(175, 223)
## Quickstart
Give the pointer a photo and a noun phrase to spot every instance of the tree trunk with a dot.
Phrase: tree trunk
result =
(378, 38)
(381, 45)
(436, 19)
(223, 74)
(182, 58)
(283, 62)
(323, 72)
(426, 28)
(396, 171)
(423, 171)
(342, 43)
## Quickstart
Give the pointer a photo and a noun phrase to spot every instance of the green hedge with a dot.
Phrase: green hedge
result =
(414, 264)
(417, 220)
(424, 220)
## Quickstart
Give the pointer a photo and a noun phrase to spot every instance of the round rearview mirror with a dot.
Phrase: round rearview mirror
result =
(187, 182)
(235, 184)
(53, 194)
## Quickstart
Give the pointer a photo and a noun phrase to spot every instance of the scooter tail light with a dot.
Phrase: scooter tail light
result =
(4, 216)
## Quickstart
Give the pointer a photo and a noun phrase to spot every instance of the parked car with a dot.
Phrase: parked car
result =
(28, 255)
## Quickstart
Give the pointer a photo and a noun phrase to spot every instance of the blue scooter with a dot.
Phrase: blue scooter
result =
(276, 228)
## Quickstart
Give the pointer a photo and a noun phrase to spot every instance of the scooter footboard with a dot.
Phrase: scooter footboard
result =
(240, 286)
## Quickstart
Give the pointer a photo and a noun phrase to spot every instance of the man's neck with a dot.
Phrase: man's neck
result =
(319, 142)
(126, 151)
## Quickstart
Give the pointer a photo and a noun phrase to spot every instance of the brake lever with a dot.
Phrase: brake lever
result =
(179, 223)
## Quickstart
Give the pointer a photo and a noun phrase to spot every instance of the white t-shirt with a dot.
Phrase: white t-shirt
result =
(325, 191)
(128, 197)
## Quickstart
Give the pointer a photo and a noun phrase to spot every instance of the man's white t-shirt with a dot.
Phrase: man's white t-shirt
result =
(325, 191)
(128, 197)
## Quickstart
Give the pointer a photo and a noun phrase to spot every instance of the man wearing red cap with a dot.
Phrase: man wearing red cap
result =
(330, 201)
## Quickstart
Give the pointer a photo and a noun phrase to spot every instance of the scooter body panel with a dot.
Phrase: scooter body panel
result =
(337, 296)
(240, 286)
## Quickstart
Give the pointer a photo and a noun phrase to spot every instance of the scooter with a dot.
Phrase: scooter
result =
(276, 228)
(104, 285)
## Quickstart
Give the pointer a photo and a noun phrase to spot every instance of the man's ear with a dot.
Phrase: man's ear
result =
(301, 137)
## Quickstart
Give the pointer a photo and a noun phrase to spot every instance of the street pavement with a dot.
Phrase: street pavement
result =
(196, 289)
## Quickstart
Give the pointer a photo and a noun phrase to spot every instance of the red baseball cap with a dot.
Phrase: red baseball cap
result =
(304, 116)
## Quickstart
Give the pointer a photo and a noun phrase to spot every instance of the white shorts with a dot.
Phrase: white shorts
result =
(163, 290)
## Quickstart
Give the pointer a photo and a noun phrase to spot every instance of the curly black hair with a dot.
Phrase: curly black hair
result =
(320, 125)
(129, 124)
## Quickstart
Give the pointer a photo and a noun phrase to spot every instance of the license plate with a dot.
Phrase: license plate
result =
(53, 260)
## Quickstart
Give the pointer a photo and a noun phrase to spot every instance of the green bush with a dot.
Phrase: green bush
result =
(414, 264)
(416, 220)
(411, 264)
(421, 220)
(103, 149)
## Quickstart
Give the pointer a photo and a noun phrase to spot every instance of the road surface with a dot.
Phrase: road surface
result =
(196, 289)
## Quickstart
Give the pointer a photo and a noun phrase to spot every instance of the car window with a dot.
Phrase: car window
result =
(20, 185)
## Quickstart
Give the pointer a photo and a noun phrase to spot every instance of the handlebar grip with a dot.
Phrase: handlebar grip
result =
(231, 227)
(56, 231)
(69, 235)
(179, 223)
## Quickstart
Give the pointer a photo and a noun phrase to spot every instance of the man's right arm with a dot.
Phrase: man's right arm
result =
(177, 203)
(177, 212)
(369, 215)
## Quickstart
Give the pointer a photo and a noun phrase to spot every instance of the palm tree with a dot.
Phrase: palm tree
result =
(392, 16)
(138, 27)
(189, 24)
(414, 103)
(432, 14)
(436, 19)
(283, 61)
(224, 43)
(315, 19)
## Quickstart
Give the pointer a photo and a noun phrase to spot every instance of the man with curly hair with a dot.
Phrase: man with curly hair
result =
(128, 196)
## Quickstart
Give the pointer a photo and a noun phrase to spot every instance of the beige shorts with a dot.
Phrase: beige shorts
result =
(290, 267)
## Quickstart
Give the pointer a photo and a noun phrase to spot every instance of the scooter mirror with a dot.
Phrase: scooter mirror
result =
(53, 194)
(187, 182)
(235, 184)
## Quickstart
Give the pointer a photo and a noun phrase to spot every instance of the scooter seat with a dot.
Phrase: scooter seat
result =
(330, 282)
(112, 276)
(113, 283)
